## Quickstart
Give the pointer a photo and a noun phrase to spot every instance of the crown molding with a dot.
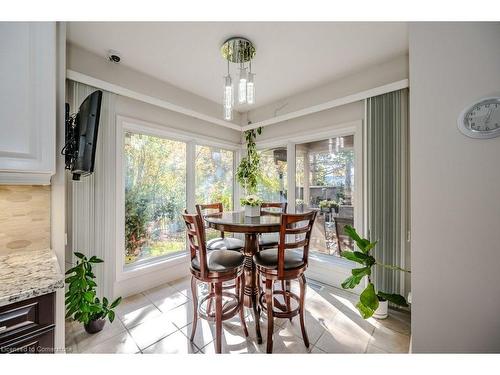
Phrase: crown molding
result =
(362, 95)
(120, 90)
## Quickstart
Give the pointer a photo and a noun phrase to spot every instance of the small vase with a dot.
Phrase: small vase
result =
(94, 326)
(252, 211)
(381, 312)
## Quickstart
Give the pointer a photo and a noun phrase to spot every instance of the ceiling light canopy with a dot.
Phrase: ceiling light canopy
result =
(240, 51)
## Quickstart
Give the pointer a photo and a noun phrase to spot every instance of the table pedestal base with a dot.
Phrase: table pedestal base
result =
(250, 298)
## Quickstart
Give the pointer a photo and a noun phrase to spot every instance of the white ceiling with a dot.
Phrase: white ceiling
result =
(291, 56)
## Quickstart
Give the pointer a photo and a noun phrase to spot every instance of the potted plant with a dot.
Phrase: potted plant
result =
(251, 204)
(248, 171)
(371, 302)
(329, 205)
(81, 301)
(299, 205)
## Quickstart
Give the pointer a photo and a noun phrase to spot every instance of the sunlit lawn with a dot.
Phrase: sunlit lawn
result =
(157, 249)
(168, 246)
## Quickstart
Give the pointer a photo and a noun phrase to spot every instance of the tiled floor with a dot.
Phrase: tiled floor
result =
(159, 321)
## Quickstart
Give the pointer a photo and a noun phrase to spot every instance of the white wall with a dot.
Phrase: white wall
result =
(150, 113)
(85, 62)
(455, 187)
(314, 122)
(390, 71)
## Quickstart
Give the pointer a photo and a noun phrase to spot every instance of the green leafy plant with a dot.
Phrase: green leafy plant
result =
(137, 215)
(248, 172)
(251, 200)
(328, 204)
(81, 301)
(369, 298)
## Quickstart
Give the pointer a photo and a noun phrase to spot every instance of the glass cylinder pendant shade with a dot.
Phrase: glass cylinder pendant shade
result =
(228, 113)
(242, 86)
(228, 92)
(250, 89)
(228, 98)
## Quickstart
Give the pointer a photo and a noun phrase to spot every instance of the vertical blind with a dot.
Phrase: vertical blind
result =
(388, 198)
(90, 201)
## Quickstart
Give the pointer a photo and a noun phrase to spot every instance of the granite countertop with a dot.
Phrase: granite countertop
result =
(27, 274)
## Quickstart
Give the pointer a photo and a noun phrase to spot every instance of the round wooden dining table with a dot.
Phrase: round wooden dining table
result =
(237, 222)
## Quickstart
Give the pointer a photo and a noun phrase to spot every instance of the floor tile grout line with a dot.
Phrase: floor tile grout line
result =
(279, 323)
(164, 337)
(104, 340)
(187, 338)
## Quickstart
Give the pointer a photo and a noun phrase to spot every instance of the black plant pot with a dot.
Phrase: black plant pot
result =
(95, 326)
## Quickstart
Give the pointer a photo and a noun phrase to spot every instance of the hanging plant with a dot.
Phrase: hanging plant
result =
(248, 171)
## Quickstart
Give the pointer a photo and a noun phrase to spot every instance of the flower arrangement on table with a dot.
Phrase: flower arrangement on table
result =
(251, 203)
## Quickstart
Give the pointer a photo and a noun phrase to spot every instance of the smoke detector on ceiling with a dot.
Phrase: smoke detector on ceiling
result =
(114, 56)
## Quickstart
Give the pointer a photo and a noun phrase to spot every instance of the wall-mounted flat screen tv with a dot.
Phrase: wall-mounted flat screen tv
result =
(81, 136)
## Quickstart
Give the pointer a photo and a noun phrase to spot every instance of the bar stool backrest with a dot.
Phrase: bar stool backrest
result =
(195, 231)
(295, 233)
(209, 208)
(279, 205)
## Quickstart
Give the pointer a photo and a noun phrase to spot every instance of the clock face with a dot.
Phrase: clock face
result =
(482, 120)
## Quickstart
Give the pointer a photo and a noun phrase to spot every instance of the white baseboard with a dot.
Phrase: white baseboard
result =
(134, 285)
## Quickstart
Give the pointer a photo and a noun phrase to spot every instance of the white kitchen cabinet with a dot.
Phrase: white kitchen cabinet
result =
(27, 102)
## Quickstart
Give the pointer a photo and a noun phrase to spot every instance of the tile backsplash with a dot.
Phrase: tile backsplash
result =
(24, 218)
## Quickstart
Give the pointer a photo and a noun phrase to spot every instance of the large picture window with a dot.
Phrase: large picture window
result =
(155, 197)
(214, 176)
(273, 184)
(324, 179)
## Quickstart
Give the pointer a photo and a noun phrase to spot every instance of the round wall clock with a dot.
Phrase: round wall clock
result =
(482, 119)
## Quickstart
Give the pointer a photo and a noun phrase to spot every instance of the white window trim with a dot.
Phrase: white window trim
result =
(124, 124)
(338, 130)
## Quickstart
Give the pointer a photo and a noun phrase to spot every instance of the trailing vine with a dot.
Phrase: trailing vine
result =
(248, 171)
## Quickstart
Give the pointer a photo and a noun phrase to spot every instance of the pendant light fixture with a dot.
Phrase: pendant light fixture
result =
(239, 51)
(228, 96)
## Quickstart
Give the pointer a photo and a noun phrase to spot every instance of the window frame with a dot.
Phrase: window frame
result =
(127, 124)
(265, 146)
(233, 190)
(322, 265)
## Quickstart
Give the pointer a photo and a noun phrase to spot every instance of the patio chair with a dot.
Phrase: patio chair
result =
(344, 242)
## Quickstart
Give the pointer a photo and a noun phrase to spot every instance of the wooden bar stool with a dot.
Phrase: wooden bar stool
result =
(222, 242)
(270, 240)
(214, 268)
(218, 243)
(287, 262)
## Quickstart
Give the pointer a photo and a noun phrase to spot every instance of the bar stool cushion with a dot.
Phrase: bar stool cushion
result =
(269, 259)
(226, 243)
(220, 260)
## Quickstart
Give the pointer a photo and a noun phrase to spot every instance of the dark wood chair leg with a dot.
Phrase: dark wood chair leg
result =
(241, 283)
(256, 310)
(287, 296)
(218, 317)
(270, 318)
(209, 302)
(195, 307)
(302, 282)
